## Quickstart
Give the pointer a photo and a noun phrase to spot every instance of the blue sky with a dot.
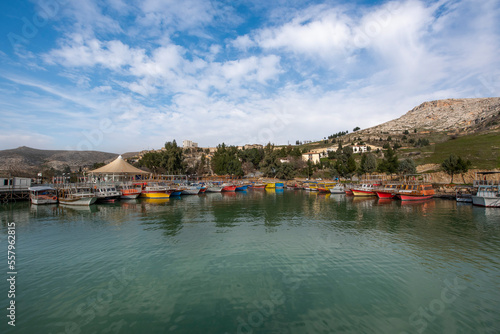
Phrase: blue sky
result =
(121, 76)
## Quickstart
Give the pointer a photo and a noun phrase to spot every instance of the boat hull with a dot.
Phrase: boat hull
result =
(356, 192)
(155, 195)
(82, 201)
(214, 189)
(229, 189)
(488, 202)
(414, 197)
(130, 196)
(385, 194)
(41, 201)
(190, 191)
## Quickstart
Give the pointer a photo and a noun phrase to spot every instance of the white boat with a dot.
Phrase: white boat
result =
(81, 196)
(338, 189)
(129, 192)
(190, 190)
(43, 195)
(107, 193)
(487, 196)
(212, 188)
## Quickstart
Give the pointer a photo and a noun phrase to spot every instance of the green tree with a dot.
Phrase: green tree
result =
(390, 162)
(226, 162)
(285, 171)
(151, 160)
(407, 166)
(368, 164)
(269, 164)
(172, 158)
(455, 165)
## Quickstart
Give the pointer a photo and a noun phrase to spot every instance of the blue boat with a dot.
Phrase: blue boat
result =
(280, 185)
(241, 188)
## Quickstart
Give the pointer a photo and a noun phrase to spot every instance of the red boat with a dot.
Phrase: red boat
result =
(414, 192)
(229, 187)
(389, 191)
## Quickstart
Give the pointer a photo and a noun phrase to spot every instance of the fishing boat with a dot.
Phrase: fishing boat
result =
(226, 187)
(79, 196)
(487, 195)
(241, 188)
(155, 191)
(107, 193)
(279, 185)
(415, 192)
(259, 186)
(366, 189)
(271, 185)
(43, 195)
(129, 192)
(337, 189)
(389, 191)
(190, 190)
(213, 188)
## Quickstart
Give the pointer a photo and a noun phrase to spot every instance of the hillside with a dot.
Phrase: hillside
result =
(456, 115)
(31, 160)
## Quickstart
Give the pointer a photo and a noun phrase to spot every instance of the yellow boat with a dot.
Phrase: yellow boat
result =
(155, 191)
(270, 185)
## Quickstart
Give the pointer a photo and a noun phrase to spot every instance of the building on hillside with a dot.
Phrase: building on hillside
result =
(189, 144)
(311, 156)
(250, 146)
(359, 149)
(283, 161)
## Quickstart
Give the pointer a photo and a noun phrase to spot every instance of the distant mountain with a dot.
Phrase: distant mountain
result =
(456, 115)
(32, 160)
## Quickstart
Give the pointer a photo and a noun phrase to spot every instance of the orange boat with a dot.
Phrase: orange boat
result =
(415, 192)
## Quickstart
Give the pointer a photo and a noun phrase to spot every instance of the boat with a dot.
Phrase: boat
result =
(190, 190)
(155, 191)
(259, 186)
(241, 188)
(43, 195)
(271, 185)
(228, 187)
(129, 192)
(337, 189)
(389, 191)
(487, 195)
(213, 188)
(415, 192)
(280, 185)
(79, 196)
(107, 193)
(366, 189)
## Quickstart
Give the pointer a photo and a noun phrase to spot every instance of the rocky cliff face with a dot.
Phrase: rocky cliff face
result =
(456, 115)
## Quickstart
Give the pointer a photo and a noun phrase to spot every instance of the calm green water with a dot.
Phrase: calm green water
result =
(256, 262)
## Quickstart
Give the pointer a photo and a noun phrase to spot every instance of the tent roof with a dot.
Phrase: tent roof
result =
(118, 166)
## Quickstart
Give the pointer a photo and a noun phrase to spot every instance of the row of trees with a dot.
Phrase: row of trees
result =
(169, 160)
(287, 163)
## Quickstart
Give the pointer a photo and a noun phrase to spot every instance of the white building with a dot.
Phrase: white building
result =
(359, 149)
(14, 183)
(189, 144)
(311, 156)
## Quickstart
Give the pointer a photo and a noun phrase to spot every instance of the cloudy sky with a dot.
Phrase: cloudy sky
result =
(122, 76)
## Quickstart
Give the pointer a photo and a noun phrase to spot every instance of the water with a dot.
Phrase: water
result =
(255, 262)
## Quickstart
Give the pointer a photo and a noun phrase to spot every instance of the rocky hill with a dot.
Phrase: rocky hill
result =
(455, 115)
(32, 160)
